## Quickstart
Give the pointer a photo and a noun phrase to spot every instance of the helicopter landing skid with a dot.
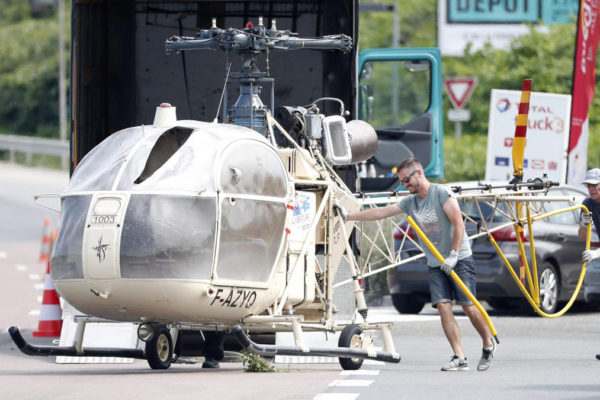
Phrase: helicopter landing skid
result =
(35, 350)
(342, 352)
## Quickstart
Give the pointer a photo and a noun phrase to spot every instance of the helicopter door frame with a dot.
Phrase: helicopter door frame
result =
(223, 196)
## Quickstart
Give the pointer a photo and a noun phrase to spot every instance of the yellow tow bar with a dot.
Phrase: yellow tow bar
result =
(454, 276)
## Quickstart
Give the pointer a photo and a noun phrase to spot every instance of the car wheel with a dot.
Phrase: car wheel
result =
(549, 286)
(407, 304)
(500, 303)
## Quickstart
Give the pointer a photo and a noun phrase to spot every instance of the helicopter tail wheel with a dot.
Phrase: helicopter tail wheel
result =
(159, 350)
(351, 337)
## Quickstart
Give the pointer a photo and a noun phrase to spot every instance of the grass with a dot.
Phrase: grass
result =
(34, 160)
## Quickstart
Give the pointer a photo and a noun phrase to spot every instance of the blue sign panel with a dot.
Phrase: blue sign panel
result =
(559, 11)
(492, 11)
(511, 11)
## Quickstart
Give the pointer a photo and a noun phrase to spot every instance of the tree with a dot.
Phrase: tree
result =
(418, 21)
(28, 70)
(544, 55)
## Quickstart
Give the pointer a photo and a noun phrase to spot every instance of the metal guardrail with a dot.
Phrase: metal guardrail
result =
(32, 145)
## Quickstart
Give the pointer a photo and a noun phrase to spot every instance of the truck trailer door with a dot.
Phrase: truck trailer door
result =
(400, 94)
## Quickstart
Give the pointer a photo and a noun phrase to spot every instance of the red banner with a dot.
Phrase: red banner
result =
(584, 82)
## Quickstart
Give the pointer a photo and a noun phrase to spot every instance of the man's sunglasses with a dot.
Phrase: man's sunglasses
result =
(405, 180)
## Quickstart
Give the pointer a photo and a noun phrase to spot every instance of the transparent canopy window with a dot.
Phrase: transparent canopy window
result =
(168, 237)
(408, 96)
(66, 258)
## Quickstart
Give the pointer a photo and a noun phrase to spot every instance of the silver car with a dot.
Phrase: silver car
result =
(558, 254)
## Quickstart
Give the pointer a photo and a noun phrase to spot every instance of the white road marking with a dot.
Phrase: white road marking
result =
(34, 312)
(373, 362)
(360, 372)
(39, 299)
(2, 254)
(351, 383)
(38, 286)
(389, 314)
(336, 396)
(34, 277)
(21, 267)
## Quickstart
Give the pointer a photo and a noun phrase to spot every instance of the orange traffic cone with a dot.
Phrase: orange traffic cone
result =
(50, 322)
(46, 241)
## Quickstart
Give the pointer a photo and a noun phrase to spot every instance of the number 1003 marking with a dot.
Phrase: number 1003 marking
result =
(103, 219)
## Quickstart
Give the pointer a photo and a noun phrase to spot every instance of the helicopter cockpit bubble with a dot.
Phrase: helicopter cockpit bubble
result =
(171, 210)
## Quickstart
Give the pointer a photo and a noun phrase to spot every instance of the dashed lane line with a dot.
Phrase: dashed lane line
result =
(336, 396)
(373, 362)
(364, 372)
(352, 383)
(21, 267)
(348, 383)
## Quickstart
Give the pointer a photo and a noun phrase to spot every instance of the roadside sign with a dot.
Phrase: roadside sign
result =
(498, 22)
(458, 115)
(460, 90)
(547, 135)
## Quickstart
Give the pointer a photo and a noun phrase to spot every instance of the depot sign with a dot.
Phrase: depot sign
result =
(496, 21)
(547, 135)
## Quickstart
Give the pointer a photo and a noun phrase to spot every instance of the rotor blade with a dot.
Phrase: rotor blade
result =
(518, 150)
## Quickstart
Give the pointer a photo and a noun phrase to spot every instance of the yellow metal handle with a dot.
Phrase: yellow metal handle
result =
(454, 276)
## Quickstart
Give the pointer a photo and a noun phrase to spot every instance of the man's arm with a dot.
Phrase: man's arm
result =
(375, 213)
(452, 210)
(582, 232)
(586, 219)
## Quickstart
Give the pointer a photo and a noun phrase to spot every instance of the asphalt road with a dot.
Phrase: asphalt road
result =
(536, 359)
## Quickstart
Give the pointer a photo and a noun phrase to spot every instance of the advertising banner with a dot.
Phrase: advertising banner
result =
(547, 135)
(584, 82)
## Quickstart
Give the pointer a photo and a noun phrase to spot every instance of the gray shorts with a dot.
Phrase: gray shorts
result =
(442, 287)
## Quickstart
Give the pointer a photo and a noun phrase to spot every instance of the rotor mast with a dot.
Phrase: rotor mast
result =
(250, 42)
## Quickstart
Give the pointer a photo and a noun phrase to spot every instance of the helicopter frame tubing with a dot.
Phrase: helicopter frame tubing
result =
(509, 203)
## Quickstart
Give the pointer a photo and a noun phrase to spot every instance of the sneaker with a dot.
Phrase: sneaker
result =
(597, 356)
(456, 364)
(486, 358)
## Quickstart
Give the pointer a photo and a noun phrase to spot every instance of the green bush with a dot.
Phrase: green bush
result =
(464, 160)
(255, 363)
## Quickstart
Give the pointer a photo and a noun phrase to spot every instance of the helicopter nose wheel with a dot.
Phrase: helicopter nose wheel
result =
(351, 337)
(159, 349)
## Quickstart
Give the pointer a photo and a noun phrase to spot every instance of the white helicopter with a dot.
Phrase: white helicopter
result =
(186, 226)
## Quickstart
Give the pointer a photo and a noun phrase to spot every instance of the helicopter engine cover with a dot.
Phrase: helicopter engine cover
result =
(182, 223)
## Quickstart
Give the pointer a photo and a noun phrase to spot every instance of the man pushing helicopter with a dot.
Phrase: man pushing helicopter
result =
(438, 214)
